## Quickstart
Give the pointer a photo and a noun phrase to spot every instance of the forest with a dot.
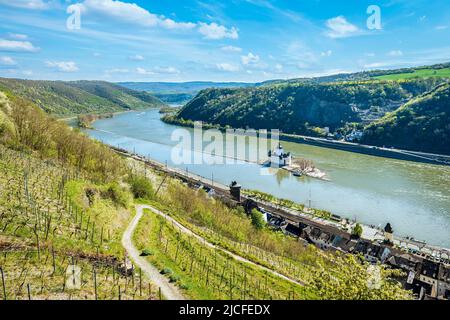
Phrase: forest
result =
(300, 108)
(423, 124)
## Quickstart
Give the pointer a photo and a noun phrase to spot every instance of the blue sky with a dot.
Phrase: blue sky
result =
(232, 40)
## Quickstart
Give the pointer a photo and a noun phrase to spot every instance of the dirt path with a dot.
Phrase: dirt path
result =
(205, 242)
(168, 290)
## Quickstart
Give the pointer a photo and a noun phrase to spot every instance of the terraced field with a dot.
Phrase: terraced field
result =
(45, 232)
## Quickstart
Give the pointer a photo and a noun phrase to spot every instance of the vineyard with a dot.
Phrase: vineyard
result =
(208, 273)
(204, 271)
(52, 246)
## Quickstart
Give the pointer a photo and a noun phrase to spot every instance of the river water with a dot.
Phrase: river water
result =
(413, 197)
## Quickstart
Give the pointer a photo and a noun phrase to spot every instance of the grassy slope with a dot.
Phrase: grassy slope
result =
(53, 215)
(422, 73)
(72, 98)
(49, 224)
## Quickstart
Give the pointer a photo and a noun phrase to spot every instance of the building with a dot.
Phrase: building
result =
(278, 158)
(354, 136)
(372, 252)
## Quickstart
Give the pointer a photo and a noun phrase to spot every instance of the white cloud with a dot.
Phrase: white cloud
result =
(339, 27)
(144, 71)
(441, 27)
(27, 4)
(137, 57)
(376, 65)
(132, 13)
(326, 53)
(279, 67)
(227, 67)
(18, 36)
(63, 66)
(12, 45)
(158, 70)
(7, 61)
(117, 70)
(370, 54)
(167, 70)
(301, 55)
(231, 49)
(250, 58)
(395, 53)
(215, 31)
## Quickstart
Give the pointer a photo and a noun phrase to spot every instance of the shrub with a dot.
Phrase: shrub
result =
(146, 253)
(141, 187)
(174, 278)
(118, 195)
(184, 286)
(166, 271)
(257, 219)
(357, 231)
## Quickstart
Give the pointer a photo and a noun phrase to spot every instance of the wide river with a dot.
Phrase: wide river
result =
(413, 197)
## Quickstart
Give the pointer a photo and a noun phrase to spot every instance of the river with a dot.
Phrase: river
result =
(413, 197)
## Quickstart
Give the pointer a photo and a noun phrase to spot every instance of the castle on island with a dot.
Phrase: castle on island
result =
(278, 158)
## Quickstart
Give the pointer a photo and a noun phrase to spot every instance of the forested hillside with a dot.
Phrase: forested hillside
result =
(80, 97)
(298, 107)
(423, 124)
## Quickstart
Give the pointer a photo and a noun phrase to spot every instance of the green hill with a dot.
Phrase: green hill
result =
(420, 73)
(298, 107)
(423, 124)
(79, 97)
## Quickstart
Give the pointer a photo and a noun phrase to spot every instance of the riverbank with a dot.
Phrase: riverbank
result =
(330, 222)
(99, 115)
(391, 153)
(86, 121)
(397, 154)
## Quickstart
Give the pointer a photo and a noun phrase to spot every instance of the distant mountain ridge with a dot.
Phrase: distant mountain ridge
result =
(180, 92)
(182, 87)
(68, 98)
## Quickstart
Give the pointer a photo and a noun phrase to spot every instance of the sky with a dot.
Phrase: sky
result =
(232, 40)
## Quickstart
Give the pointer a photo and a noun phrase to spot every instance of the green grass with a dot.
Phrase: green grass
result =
(422, 73)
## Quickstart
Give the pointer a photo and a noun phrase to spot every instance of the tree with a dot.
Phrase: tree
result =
(141, 187)
(257, 219)
(357, 231)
